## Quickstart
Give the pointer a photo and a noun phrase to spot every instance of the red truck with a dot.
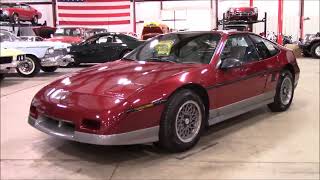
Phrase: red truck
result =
(242, 13)
(16, 12)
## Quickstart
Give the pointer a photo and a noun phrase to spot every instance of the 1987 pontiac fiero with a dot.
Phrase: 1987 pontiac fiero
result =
(167, 90)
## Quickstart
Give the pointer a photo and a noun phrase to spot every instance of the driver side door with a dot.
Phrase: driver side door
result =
(235, 85)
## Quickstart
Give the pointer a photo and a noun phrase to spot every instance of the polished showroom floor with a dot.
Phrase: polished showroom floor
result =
(256, 145)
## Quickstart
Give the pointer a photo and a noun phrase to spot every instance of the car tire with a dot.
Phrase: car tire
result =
(30, 67)
(35, 20)
(315, 50)
(15, 18)
(284, 92)
(180, 130)
(49, 69)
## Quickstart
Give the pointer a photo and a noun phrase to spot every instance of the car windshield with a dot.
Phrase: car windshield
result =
(67, 32)
(177, 48)
(7, 37)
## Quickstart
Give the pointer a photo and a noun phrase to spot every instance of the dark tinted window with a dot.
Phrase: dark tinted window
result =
(265, 48)
(239, 47)
(180, 48)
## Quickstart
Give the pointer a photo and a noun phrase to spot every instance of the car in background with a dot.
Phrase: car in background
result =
(242, 13)
(16, 12)
(310, 45)
(238, 27)
(31, 38)
(10, 59)
(74, 35)
(168, 90)
(103, 47)
(153, 29)
(40, 55)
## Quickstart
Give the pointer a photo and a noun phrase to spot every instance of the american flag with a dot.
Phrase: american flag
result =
(93, 12)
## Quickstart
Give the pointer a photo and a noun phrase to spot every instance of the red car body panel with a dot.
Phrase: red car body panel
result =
(24, 14)
(66, 39)
(109, 93)
(242, 13)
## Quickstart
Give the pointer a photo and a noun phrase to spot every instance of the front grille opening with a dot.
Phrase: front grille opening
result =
(6, 60)
(60, 123)
(91, 124)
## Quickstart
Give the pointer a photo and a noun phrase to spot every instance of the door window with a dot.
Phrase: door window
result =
(105, 39)
(265, 48)
(239, 47)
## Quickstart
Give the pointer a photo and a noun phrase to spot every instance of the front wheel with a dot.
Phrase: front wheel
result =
(182, 121)
(29, 67)
(15, 18)
(315, 50)
(284, 92)
(49, 69)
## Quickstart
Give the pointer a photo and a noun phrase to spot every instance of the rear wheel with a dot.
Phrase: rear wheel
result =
(284, 92)
(315, 50)
(29, 67)
(35, 20)
(182, 122)
(49, 69)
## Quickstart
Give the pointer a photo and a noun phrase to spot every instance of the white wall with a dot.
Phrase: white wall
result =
(199, 15)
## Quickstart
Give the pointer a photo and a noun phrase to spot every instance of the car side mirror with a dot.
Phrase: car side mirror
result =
(229, 63)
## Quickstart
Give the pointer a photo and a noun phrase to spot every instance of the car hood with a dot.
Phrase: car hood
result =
(65, 39)
(119, 78)
(34, 44)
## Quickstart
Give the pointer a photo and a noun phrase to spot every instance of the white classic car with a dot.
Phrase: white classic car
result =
(9, 59)
(44, 55)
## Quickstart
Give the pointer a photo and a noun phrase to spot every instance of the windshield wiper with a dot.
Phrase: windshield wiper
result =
(160, 60)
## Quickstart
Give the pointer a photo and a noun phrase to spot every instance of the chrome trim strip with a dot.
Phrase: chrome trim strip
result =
(133, 137)
(237, 108)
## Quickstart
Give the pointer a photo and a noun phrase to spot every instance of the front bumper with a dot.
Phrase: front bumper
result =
(61, 60)
(65, 130)
(5, 68)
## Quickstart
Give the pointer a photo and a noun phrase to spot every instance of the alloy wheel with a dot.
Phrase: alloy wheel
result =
(286, 91)
(188, 121)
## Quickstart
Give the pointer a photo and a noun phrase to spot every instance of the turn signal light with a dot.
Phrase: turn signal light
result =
(33, 112)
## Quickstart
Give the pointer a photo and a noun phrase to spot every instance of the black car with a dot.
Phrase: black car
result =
(103, 47)
(310, 45)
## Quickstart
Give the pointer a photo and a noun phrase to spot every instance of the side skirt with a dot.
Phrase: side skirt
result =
(237, 108)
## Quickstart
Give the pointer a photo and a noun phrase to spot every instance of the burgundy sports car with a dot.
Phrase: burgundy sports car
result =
(167, 90)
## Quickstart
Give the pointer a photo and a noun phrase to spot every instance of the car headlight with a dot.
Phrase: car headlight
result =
(256, 10)
(68, 49)
(231, 10)
(50, 51)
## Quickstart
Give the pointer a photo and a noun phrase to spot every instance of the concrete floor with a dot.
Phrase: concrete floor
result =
(256, 145)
